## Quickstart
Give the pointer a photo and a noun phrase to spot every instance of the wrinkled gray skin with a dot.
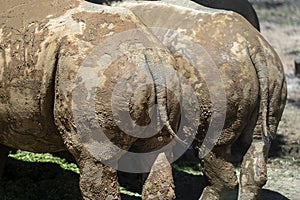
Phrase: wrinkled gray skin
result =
(41, 57)
(243, 7)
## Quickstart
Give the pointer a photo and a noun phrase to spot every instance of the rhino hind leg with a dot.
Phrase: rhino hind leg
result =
(97, 181)
(219, 172)
(254, 169)
(159, 183)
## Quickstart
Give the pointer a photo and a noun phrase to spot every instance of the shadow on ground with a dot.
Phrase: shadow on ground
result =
(47, 181)
(281, 148)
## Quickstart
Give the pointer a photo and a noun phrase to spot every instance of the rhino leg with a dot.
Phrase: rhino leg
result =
(3, 157)
(160, 182)
(219, 172)
(254, 169)
(98, 181)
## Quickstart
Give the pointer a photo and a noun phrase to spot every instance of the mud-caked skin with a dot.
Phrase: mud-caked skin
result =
(243, 7)
(254, 83)
(47, 88)
(46, 56)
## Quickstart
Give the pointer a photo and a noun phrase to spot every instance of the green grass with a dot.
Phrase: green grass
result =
(49, 158)
(133, 194)
(181, 166)
(45, 158)
(187, 173)
(188, 167)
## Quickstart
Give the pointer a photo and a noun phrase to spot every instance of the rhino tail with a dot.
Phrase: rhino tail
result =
(163, 115)
(159, 79)
(260, 64)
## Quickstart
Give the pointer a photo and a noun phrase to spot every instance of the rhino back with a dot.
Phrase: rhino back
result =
(106, 80)
(227, 49)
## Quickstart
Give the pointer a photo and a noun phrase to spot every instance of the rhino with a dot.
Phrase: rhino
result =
(242, 7)
(46, 55)
(88, 78)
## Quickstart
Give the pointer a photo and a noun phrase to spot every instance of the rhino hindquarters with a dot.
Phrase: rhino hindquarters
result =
(27, 86)
(254, 83)
(272, 101)
(103, 87)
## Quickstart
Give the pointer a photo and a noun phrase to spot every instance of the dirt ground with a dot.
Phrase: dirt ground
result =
(280, 24)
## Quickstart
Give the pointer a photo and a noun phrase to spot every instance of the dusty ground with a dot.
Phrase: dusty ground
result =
(280, 24)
